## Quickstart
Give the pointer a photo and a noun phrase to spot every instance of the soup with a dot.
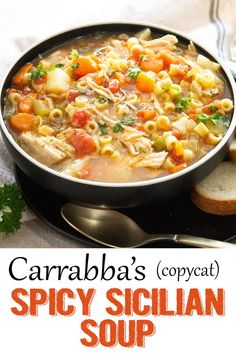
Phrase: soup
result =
(119, 107)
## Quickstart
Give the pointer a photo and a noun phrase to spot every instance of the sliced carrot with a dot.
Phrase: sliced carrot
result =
(26, 103)
(146, 114)
(141, 128)
(86, 65)
(114, 85)
(145, 83)
(193, 116)
(152, 64)
(137, 51)
(96, 59)
(178, 153)
(19, 76)
(22, 122)
(181, 71)
(168, 58)
(99, 80)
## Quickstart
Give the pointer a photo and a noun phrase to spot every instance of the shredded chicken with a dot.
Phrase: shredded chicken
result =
(39, 149)
(165, 42)
(152, 160)
(100, 90)
(73, 168)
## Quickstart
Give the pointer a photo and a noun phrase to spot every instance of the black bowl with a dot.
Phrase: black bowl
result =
(115, 195)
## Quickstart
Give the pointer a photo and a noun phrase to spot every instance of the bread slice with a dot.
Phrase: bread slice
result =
(216, 194)
(232, 150)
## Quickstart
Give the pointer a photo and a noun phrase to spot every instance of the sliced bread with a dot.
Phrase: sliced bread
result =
(216, 194)
(232, 150)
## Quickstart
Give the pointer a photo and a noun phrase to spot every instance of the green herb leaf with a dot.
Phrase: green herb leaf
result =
(183, 103)
(216, 118)
(103, 128)
(101, 99)
(37, 72)
(74, 66)
(133, 73)
(166, 88)
(74, 53)
(213, 109)
(119, 127)
(11, 207)
(202, 118)
(59, 65)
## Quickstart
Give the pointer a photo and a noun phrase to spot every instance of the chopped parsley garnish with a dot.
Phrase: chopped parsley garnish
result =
(74, 66)
(166, 88)
(213, 109)
(103, 128)
(37, 72)
(74, 53)
(119, 127)
(133, 73)
(183, 103)
(216, 118)
(11, 207)
(59, 65)
(101, 99)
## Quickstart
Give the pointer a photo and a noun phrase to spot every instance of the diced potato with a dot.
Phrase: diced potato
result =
(57, 81)
(145, 34)
(45, 130)
(206, 79)
(201, 130)
(40, 108)
(205, 63)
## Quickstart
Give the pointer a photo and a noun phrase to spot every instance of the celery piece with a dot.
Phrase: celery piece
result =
(158, 143)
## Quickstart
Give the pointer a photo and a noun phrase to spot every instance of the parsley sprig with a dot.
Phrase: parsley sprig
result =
(38, 71)
(133, 73)
(74, 53)
(216, 118)
(74, 66)
(59, 65)
(101, 99)
(119, 127)
(11, 207)
(213, 109)
(103, 128)
(182, 103)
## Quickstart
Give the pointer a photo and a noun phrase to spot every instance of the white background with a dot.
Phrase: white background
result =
(45, 334)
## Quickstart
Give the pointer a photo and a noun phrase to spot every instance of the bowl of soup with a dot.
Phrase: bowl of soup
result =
(118, 114)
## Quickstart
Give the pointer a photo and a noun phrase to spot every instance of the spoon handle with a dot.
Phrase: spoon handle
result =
(201, 242)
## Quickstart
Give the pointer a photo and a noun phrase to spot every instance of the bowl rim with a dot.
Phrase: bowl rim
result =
(143, 183)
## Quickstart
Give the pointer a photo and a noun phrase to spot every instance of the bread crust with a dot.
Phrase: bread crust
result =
(213, 206)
